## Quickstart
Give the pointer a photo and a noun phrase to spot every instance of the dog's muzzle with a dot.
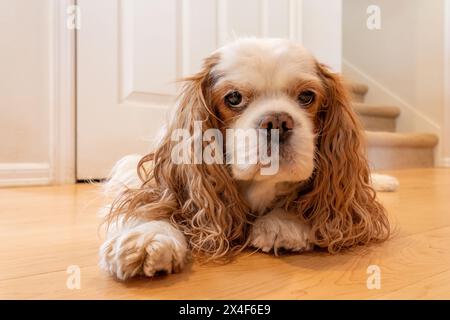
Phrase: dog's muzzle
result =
(281, 121)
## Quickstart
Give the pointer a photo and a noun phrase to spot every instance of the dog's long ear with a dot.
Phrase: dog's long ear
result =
(341, 205)
(208, 206)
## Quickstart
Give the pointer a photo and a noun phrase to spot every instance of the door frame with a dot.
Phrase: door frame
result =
(445, 135)
(62, 131)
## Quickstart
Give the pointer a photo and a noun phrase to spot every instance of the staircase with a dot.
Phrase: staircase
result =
(386, 148)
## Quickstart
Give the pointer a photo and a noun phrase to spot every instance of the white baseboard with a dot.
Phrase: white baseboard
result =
(19, 174)
(443, 163)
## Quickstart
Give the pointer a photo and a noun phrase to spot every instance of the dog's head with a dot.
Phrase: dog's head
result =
(269, 84)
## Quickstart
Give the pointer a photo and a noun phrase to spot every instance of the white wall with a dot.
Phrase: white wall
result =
(31, 90)
(24, 80)
(446, 129)
(403, 62)
(322, 30)
(24, 89)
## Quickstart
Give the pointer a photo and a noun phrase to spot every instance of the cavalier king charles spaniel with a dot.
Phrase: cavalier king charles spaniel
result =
(321, 196)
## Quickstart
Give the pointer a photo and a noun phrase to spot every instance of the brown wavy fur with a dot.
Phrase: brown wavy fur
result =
(341, 205)
(203, 200)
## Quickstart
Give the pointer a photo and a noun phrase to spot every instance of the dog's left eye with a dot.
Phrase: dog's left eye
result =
(307, 97)
(233, 99)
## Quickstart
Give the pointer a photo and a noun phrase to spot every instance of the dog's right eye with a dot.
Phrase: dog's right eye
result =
(233, 99)
(306, 98)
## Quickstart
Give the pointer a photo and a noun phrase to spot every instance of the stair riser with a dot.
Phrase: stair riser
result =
(378, 123)
(356, 97)
(389, 157)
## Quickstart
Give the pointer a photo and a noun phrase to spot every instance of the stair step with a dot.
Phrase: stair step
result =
(358, 91)
(389, 150)
(377, 117)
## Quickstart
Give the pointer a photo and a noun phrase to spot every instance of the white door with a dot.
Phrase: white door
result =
(131, 52)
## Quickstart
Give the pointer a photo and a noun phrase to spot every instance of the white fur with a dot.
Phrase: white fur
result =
(270, 67)
(123, 175)
(265, 64)
(143, 248)
(279, 229)
(138, 247)
(258, 194)
(300, 164)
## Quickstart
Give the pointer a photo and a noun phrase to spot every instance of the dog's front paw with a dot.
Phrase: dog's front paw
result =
(146, 249)
(280, 230)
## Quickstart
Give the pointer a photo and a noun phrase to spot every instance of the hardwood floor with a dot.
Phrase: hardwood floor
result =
(44, 230)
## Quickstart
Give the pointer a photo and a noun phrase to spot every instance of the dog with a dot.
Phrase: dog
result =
(321, 196)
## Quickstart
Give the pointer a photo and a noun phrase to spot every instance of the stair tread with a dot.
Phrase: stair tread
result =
(358, 88)
(381, 111)
(396, 139)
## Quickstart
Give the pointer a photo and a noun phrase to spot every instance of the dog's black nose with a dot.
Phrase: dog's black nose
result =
(281, 121)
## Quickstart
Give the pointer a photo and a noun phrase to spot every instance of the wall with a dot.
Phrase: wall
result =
(446, 130)
(25, 83)
(322, 30)
(403, 62)
(36, 92)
